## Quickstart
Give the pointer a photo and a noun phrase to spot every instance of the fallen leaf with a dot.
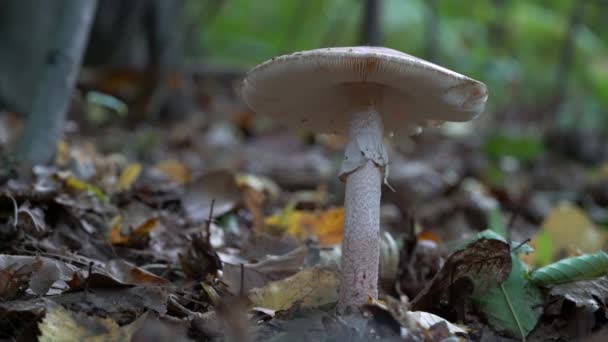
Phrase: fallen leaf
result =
(326, 225)
(486, 262)
(175, 170)
(218, 187)
(60, 324)
(199, 259)
(258, 274)
(31, 219)
(39, 273)
(309, 288)
(567, 270)
(426, 320)
(128, 176)
(74, 184)
(62, 156)
(259, 183)
(513, 306)
(253, 200)
(566, 229)
(138, 236)
(128, 273)
(592, 294)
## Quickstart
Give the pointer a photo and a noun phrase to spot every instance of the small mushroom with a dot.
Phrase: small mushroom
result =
(358, 91)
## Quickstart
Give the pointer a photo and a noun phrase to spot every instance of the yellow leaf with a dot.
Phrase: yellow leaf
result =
(63, 153)
(128, 176)
(325, 225)
(145, 227)
(60, 324)
(116, 236)
(566, 230)
(309, 288)
(175, 170)
(73, 183)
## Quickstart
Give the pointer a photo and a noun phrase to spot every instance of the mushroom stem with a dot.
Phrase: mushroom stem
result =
(364, 164)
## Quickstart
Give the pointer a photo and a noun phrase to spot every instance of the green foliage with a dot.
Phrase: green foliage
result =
(516, 49)
(496, 223)
(513, 306)
(578, 268)
(523, 148)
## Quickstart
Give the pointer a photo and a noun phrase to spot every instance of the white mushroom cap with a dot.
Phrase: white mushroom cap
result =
(318, 89)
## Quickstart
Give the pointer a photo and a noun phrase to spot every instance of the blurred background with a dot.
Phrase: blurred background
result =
(538, 58)
(159, 79)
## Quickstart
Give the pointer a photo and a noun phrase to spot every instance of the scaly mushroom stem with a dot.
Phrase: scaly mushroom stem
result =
(364, 165)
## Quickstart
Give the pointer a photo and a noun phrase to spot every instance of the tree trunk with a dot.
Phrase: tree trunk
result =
(371, 34)
(432, 31)
(62, 63)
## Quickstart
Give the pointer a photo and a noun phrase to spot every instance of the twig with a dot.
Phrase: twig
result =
(242, 282)
(87, 281)
(208, 225)
(514, 249)
(510, 225)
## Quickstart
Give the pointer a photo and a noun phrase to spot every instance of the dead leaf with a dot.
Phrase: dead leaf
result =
(128, 273)
(592, 294)
(39, 273)
(253, 200)
(326, 225)
(200, 259)
(136, 238)
(484, 262)
(60, 324)
(566, 231)
(62, 156)
(218, 187)
(426, 320)
(175, 170)
(258, 274)
(309, 288)
(76, 185)
(128, 176)
(31, 220)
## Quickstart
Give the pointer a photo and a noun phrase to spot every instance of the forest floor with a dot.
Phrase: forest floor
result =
(212, 224)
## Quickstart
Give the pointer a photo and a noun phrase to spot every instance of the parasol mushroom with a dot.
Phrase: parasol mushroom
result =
(359, 91)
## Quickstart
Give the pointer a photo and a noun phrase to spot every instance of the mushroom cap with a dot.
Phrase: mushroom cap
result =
(314, 89)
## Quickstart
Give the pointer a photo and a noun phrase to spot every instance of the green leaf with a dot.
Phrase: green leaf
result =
(514, 306)
(582, 267)
(523, 148)
(544, 248)
(496, 222)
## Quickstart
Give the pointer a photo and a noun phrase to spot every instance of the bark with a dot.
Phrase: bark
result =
(25, 29)
(432, 31)
(63, 59)
(371, 33)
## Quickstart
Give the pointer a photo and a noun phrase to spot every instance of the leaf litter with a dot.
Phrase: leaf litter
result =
(213, 227)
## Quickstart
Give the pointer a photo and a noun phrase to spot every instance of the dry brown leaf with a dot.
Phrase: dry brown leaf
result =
(175, 170)
(484, 262)
(60, 324)
(325, 225)
(128, 273)
(138, 235)
(309, 288)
